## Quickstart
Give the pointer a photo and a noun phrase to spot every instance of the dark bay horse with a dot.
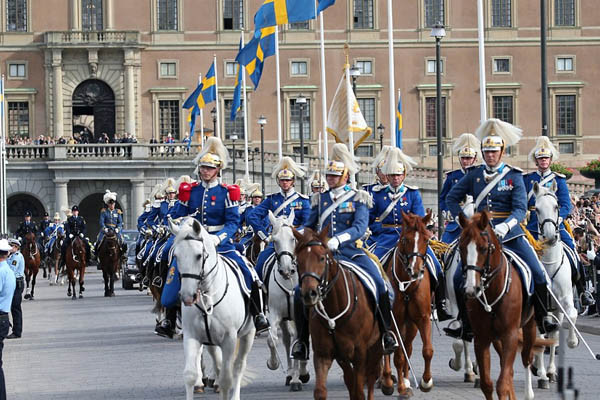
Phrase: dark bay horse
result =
(412, 305)
(496, 306)
(33, 258)
(53, 259)
(342, 324)
(109, 257)
(76, 261)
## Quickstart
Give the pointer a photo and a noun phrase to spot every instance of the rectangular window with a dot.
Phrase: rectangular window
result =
(431, 67)
(367, 107)
(233, 14)
(502, 108)
(295, 120)
(18, 119)
(566, 148)
(236, 126)
(299, 26)
(17, 70)
(16, 15)
(296, 150)
(231, 68)
(564, 64)
(91, 15)
(501, 13)
(432, 150)
(363, 14)
(564, 12)
(168, 69)
(566, 115)
(434, 12)
(365, 67)
(364, 151)
(168, 119)
(502, 65)
(299, 68)
(167, 15)
(430, 115)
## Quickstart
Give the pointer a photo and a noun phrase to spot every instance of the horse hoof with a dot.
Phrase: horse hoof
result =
(31, 297)
(426, 386)
(406, 394)
(216, 389)
(477, 384)
(210, 383)
(106, 294)
(552, 377)
(572, 343)
(469, 378)
(112, 294)
(204, 380)
(74, 297)
(295, 387)
(273, 366)
(452, 366)
(26, 297)
(387, 390)
(68, 294)
(304, 378)
(394, 379)
(543, 384)
(288, 379)
(198, 389)
(534, 370)
(80, 296)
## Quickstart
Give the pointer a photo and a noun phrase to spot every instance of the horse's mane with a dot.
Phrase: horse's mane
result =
(302, 241)
(479, 222)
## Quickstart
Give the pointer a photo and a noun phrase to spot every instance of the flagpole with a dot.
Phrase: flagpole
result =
(3, 202)
(218, 132)
(279, 133)
(201, 116)
(400, 122)
(391, 72)
(323, 91)
(247, 174)
(482, 84)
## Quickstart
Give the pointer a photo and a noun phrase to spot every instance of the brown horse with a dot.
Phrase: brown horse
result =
(76, 261)
(412, 305)
(109, 257)
(53, 259)
(256, 246)
(353, 338)
(495, 306)
(33, 258)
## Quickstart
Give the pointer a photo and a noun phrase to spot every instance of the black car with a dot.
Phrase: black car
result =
(130, 269)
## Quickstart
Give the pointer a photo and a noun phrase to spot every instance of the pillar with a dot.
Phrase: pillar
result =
(129, 92)
(74, 15)
(61, 195)
(57, 93)
(109, 15)
(137, 200)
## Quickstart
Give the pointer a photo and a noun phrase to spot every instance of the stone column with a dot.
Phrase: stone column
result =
(109, 15)
(61, 195)
(74, 15)
(129, 92)
(57, 93)
(137, 199)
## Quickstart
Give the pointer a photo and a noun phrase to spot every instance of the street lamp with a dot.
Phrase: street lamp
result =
(234, 137)
(213, 113)
(354, 73)
(381, 131)
(254, 154)
(262, 121)
(301, 101)
(438, 32)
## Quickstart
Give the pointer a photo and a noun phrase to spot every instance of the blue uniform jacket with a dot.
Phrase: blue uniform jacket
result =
(371, 186)
(165, 209)
(258, 217)
(16, 262)
(562, 194)
(507, 197)
(410, 202)
(53, 229)
(452, 179)
(111, 219)
(75, 225)
(142, 219)
(153, 217)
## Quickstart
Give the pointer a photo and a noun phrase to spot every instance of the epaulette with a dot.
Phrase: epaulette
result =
(271, 194)
(302, 196)
(515, 168)
(362, 196)
(471, 167)
(147, 208)
(411, 187)
(102, 209)
(451, 172)
(378, 188)
(156, 203)
(119, 211)
(315, 199)
(560, 175)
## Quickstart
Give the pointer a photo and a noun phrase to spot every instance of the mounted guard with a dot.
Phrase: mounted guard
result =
(111, 218)
(381, 179)
(75, 226)
(52, 231)
(26, 226)
(317, 182)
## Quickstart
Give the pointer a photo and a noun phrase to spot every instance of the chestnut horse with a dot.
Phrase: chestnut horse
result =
(53, 259)
(342, 323)
(495, 306)
(109, 257)
(76, 260)
(33, 258)
(412, 305)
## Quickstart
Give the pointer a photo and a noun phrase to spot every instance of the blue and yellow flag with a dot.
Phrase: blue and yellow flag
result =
(277, 12)
(253, 55)
(399, 122)
(237, 92)
(205, 92)
(324, 4)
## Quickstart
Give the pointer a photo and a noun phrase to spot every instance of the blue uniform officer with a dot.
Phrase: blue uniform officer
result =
(7, 289)
(17, 265)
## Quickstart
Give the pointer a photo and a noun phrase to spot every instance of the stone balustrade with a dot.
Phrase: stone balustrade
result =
(91, 37)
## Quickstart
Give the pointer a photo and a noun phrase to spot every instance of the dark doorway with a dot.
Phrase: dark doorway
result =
(89, 209)
(95, 98)
(17, 205)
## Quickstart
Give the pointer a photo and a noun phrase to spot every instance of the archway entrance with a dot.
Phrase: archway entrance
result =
(89, 209)
(17, 205)
(94, 102)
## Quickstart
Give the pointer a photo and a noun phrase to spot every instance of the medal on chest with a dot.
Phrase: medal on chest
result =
(505, 185)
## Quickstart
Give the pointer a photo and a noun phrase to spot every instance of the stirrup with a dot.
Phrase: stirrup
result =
(389, 342)
(157, 281)
(261, 323)
(299, 350)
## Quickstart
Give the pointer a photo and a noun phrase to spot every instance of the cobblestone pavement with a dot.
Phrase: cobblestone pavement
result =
(104, 348)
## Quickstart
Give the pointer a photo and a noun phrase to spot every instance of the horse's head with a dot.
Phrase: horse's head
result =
(314, 264)
(547, 209)
(196, 255)
(479, 248)
(284, 243)
(412, 246)
(110, 233)
(29, 237)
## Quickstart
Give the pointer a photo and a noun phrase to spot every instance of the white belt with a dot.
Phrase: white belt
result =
(214, 228)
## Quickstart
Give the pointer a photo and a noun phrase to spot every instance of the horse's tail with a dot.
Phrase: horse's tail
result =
(539, 343)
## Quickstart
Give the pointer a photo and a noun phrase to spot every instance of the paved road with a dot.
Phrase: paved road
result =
(104, 348)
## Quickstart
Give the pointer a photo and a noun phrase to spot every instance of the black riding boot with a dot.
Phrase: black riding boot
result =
(440, 301)
(585, 297)
(300, 349)
(388, 338)
(542, 304)
(462, 325)
(167, 327)
(256, 308)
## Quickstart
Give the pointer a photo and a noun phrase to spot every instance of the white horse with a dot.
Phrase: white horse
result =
(559, 270)
(213, 309)
(282, 281)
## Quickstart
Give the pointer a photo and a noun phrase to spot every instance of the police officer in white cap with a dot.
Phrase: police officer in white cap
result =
(7, 289)
(17, 265)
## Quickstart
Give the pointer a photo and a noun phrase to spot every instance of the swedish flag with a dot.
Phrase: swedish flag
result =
(323, 4)
(237, 92)
(253, 55)
(399, 122)
(205, 92)
(277, 12)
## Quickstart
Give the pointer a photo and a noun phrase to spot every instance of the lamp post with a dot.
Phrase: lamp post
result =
(439, 32)
(301, 101)
(213, 113)
(234, 137)
(262, 121)
(381, 131)
(254, 154)
(354, 73)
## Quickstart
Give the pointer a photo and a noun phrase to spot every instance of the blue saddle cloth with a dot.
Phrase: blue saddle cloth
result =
(363, 277)
(523, 271)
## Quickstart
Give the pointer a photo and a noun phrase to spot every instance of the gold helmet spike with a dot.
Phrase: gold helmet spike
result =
(495, 134)
(213, 154)
(342, 161)
(288, 169)
(467, 145)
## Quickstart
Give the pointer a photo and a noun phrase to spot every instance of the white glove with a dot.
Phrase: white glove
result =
(70, 236)
(501, 230)
(333, 244)
(81, 235)
(216, 240)
(116, 230)
(105, 230)
(591, 255)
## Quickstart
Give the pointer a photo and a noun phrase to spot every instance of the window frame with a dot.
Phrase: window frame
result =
(299, 60)
(156, 17)
(352, 8)
(576, 16)
(505, 89)
(424, 24)
(572, 143)
(103, 17)
(29, 117)
(296, 141)
(239, 119)
(573, 64)
(366, 96)
(512, 105)
(226, 63)
(513, 17)
(560, 89)
(363, 60)
(429, 90)
(428, 60)
(510, 65)
(242, 21)
(166, 61)
(168, 93)
(10, 63)
(4, 12)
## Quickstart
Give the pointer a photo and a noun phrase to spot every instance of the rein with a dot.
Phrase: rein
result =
(555, 223)
(405, 258)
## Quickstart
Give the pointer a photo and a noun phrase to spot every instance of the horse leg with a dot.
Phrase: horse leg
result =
(239, 366)
(322, 366)
(27, 279)
(551, 372)
(504, 385)
(105, 276)
(425, 330)
(228, 347)
(112, 284)
(216, 356)
(456, 362)
(482, 352)
(470, 366)
(272, 361)
(33, 279)
(529, 334)
(81, 287)
(191, 350)
(73, 284)
(374, 371)
(387, 382)
(360, 372)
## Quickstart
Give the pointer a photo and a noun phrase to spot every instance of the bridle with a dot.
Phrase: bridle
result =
(555, 223)
(405, 259)
(283, 253)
